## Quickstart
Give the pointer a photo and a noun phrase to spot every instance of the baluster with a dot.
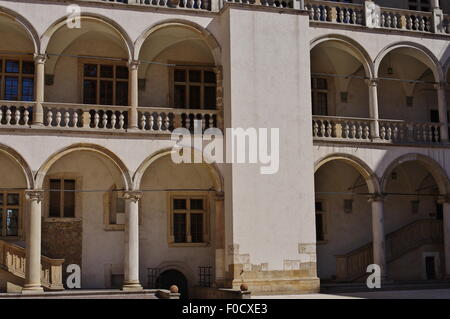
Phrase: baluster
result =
(188, 122)
(353, 130)
(17, 117)
(366, 131)
(402, 132)
(104, 119)
(152, 121)
(121, 121)
(341, 16)
(346, 131)
(58, 119)
(416, 23)
(359, 132)
(389, 133)
(167, 122)
(211, 120)
(96, 119)
(1, 116)
(422, 24)
(383, 19)
(159, 122)
(395, 21)
(322, 129)
(49, 117)
(329, 129)
(311, 12)
(436, 133)
(75, 119)
(383, 132)
(315, 128)
(113, 120)
(8, 116)
(395, 133)
(66, 119)
(354, 17)
(317, 13)
(26, 117)
(409, 23)
(143, 121)
(324, 14)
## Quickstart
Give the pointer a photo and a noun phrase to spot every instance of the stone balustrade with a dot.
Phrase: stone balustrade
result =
(13, 260)
(15, 113)
(343, 13)
(335, 128)
(406, 20)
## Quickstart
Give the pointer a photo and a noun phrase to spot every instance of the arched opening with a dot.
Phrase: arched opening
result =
(413, 219)
(19, 43)
(339, 68)
(174, 277)
(83, 212)
(407, 75)
(93, 61)
(178, 66)
(178, 216)
(343, 214)
(15, 178)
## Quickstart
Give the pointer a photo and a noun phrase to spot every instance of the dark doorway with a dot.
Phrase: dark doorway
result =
(430, 267)
(173, 277)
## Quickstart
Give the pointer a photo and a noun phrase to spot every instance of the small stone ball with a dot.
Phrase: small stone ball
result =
(244, 287)
(173, 289)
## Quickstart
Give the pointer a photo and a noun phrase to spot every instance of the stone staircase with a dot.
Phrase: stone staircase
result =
(12, 268)
(352, 266)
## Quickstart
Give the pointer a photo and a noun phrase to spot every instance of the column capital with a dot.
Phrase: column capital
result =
(132, 195)
(377, 197)
(40, 58)
(34, 195)
(372, 82)
(133, 64)
(440, 85)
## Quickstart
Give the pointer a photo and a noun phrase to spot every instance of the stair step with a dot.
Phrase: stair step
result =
(360, 287)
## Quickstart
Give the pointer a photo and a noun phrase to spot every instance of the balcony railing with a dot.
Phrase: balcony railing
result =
(103, 118)
(350, 129)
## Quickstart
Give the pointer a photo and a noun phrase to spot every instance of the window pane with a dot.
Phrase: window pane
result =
(122, 93)
(69, 198)
(13, 200)
(179, 228)
(196, 203)
(106, 92)
(197, 228)
(320, 107)
(55, 187)
(11, 88)
(12, 66)
(1, 199)
(194, 97)
(210, 97)
(319, 227)
(180, 96)
(27, 89)
(106, 71)
(179, 204)
(210, 77)
(179, 76)
(12, 222)
(120, 205)
(89, 92)
(27, 67)
(195, 76)
(122, 72)
(90, 70)
(322, 84)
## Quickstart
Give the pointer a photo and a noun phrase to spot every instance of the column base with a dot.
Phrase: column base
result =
(132, 286)
(32, 290)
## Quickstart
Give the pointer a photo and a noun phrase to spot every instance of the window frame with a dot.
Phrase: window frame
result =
(20, 207)
(20, 76)
(177, 65)
(98, 79)
(109, 207)
(322, 213)
(78, 198)
(315, 92)
(188, 211)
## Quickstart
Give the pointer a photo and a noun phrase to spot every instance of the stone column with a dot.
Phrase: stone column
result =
(373, 105)
(379, 246)
(434, 4)
(442, 105)
(38, 112)
(220, 240)
(133, 67)
(131, 262)
(446, 224)
(437, 17)
(33, 242)
(219, 96)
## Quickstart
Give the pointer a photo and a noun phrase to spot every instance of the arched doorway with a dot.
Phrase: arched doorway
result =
(174, 277)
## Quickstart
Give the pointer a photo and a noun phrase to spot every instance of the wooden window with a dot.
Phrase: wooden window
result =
(193, 88)
(10, 207)
(114, 210)
(188, 219)
(62, 198)
(319, 91)
(105, 84)
(320, 222)
(16, 79)
(419, 5)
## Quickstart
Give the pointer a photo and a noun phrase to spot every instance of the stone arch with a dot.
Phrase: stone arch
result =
(425, 56)
(47, 35)
(207, 36)
(366, 172)
(42, 172)
(350, 46)
(19, 160)
(438, 173)
(28, 27)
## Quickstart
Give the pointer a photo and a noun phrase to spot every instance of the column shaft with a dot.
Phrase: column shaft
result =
(379, 249)
(38, 114)
(220, 240)
(443, 118)
(446, 224)
(134, 93)
(373, 104)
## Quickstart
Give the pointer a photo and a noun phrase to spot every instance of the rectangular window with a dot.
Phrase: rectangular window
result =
(320, 222)
(16, 79)
(419, 5)
(62, 198)
(194, 88)
(10, 205)
(105, 84)
(188, 218)
(319, 91)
